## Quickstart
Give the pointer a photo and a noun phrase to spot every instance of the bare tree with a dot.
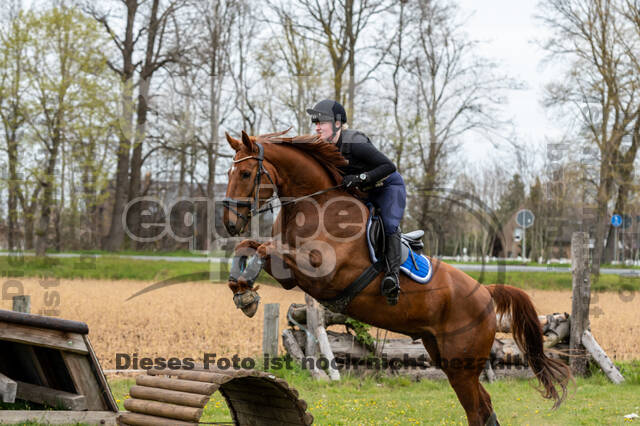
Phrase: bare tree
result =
(600, 90)
(457, 91)
(158, 52)
(214, 58)
(338, 27)
(294, 70)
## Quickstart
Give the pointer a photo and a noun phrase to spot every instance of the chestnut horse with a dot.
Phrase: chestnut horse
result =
(319, 245)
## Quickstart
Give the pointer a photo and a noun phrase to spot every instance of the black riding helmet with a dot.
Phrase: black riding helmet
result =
(327, 110)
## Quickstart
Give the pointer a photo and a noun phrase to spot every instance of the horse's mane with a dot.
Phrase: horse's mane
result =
(325, 153)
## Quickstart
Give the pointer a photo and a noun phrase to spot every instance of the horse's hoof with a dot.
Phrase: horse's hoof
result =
(250, 310)
(492, 420)
(247, 301)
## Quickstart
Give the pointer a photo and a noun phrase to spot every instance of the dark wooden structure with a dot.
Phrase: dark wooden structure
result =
(50, 362)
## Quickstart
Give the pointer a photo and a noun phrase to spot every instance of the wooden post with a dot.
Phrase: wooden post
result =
(601, 358)
(291, 345)
(270, 330)
(22, 304)
(580, 301)
(313, 320)
(489, 373)
(325, 349)
(7, 389)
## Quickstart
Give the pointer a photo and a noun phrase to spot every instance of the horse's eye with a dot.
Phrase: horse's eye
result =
(245, 175)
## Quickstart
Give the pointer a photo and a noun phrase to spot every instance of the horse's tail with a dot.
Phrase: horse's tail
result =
(527, 333)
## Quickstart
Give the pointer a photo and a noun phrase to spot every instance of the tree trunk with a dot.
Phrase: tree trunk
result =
(214, 125)
(48, 185)
(115, 238)
(113, 241)
(135, 183)
(29, 213)
(602, 200)
(14, 189)
(624, 169)
(351, 88)
(90, 207)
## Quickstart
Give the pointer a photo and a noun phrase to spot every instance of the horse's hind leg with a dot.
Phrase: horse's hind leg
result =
(462, 357)
(486, 398)
(466, 385)
(465, 382)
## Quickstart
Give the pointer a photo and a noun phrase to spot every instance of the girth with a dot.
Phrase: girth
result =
(339, 303)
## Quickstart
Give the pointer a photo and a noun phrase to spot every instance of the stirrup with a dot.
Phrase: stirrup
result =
(390, 288)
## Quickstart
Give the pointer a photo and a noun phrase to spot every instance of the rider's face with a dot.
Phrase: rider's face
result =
(324, 130)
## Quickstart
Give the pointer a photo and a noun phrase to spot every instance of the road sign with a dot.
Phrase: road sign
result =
(626, 221)
(525, 218)
(616, 220)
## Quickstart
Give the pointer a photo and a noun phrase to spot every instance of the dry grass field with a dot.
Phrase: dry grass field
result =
(188, 320)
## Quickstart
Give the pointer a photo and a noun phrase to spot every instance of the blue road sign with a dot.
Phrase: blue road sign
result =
(616, 220)
(626, 221)
(525, 218)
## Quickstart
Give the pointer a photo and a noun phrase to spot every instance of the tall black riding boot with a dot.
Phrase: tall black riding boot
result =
(390, 286)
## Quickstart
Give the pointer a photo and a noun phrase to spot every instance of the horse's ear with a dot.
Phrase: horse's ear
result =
(235, 143)
(246, 140)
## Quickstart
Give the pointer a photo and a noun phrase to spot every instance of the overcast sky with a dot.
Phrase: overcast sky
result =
(509, 29)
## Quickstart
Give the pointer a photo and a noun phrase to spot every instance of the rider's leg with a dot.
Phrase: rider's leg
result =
(391, 200)
(390, 285)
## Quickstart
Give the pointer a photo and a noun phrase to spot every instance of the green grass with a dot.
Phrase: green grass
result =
(172, 253)
(400, 401)
(111, 268)
(115, 268)
(556, 280)
(521, 263)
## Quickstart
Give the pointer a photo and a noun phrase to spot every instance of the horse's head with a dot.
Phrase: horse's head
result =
(252, 182)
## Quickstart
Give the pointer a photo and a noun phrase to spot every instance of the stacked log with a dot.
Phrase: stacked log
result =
(398, 355)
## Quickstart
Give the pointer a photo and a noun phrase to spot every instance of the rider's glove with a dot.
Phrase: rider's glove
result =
(350, 181)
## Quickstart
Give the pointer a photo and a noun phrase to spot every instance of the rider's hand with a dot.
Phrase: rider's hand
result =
(350, 181)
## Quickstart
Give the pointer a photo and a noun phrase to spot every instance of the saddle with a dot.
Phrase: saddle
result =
(412, 262)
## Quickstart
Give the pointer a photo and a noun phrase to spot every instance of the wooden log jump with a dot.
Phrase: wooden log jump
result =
(178, 397)
(346, 348)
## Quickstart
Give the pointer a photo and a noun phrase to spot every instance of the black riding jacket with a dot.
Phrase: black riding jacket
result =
(363, 156)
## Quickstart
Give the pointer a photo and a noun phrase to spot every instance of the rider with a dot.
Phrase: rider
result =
(371, 171)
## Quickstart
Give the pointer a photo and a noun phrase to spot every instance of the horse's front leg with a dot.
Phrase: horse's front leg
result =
(277, 264)
(307, 266)
(249, 259)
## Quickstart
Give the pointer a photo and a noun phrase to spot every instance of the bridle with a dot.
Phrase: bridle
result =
(254, 210)
(232, 204)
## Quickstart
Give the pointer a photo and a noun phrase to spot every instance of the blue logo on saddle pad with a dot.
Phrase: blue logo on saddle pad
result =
(416, 266)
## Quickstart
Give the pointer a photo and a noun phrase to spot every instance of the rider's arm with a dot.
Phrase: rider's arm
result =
(378, 164)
